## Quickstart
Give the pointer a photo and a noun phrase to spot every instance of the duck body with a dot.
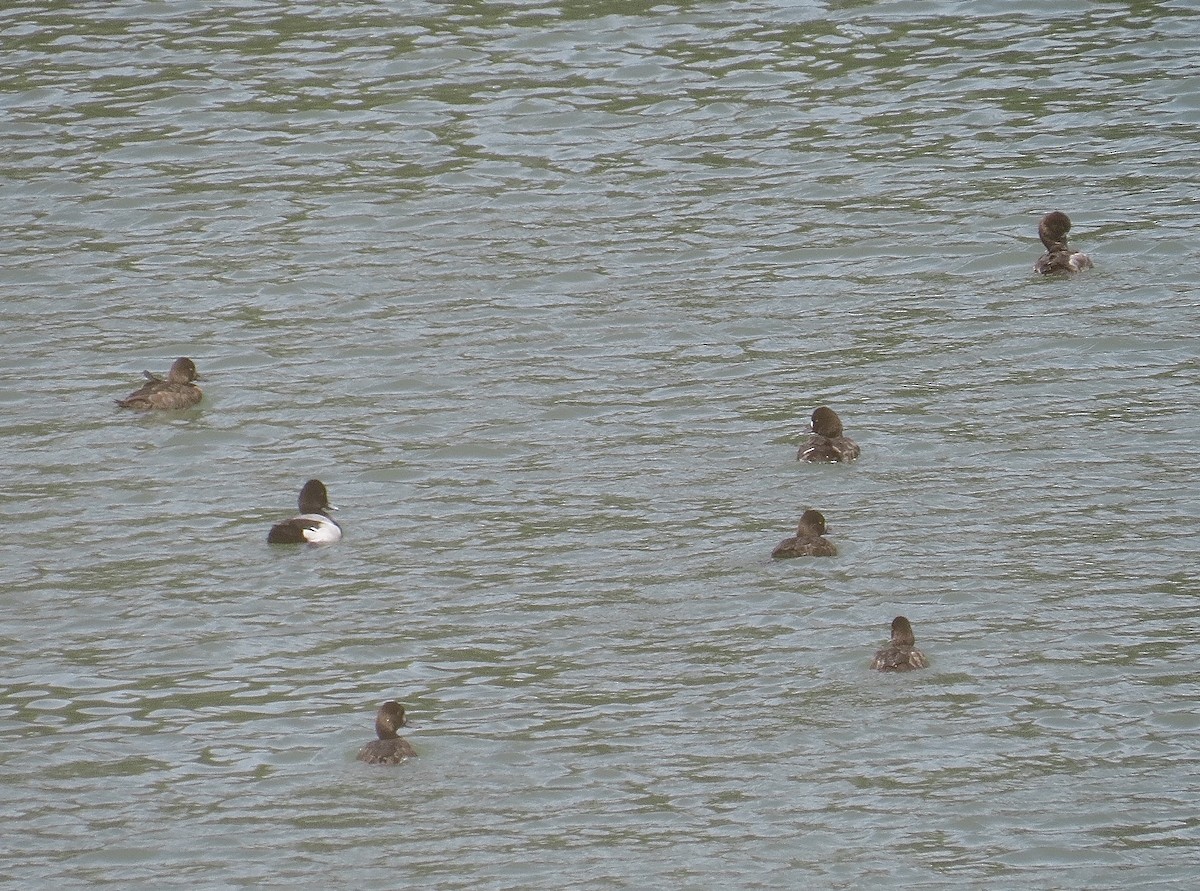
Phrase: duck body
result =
(828, 444)
(386, 751)
(809, 540)
(175, 392)
(900, 653)
(823, 450)
(305, 529)
(1054, 262)
(389, 748)
(313, 525)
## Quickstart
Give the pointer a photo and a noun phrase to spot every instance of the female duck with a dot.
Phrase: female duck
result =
(827, 443)
(389, 748)
(313, 525)
(1052, 230)
(808, 540)
(176, 392)
(901, 653)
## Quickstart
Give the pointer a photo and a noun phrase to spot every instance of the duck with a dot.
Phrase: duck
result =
(808, 540)
(389, 748)
(900, 653)
(828, 444)
(313, 525)
(176, 392)
(1052, 230)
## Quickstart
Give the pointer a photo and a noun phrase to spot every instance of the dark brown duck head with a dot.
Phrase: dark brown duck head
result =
(389, 719)
(183, 371)
(825, 422)
(902, 632)
(1053, 229)
(314, 498)
(812, 523)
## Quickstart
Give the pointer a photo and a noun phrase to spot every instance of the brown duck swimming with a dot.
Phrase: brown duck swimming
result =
(809, 540)
(389, 748)
(827, 443)
(1052, 230)
(901, 653)
(176, 392)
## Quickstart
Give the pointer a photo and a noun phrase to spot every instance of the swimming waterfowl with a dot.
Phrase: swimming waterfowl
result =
(389, 748)
(1052, 230)
(808, 540)
(901, 653)
(827, 443)
(176, 392)
(313, 525)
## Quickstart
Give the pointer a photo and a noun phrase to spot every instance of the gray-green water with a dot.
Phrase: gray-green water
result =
(545, 292)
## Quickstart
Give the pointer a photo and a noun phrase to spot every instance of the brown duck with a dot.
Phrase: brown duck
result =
(1052, 230)
(809, 540)
(828, 443)
(389, 748)
(176, 392)
(901, 653)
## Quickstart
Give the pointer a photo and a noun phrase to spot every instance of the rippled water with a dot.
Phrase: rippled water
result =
(545, 293)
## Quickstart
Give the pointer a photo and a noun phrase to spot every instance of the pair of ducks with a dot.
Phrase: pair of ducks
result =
(828, 444)
(176, 391)
(900, 654)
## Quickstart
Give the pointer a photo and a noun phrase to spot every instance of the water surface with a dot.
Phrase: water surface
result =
(545, 293)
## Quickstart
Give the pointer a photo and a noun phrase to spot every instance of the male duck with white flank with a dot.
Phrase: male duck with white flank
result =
(313, 525)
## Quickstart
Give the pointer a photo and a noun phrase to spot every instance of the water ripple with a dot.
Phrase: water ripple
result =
(546, 293)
